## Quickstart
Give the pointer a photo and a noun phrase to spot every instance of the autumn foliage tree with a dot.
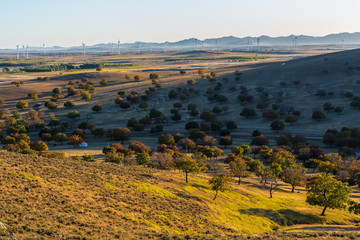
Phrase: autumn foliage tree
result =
(75, 140)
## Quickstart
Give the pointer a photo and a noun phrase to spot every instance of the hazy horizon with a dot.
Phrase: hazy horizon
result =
(70, 23)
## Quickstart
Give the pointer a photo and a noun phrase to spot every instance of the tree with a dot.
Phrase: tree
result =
(85, 95)
(191, 125)
(189, 165)
(39, 146)
(138, 147)
(97, 108)
(143, 158)
(56, 91)
(75, 140)
(225, 141)
(153, 75)
(277, 125)
(318, 115)
(239, 168)
(122, 134)
(60, 137)
(73, 115)
(47, 137)
(187, 144)
(220, 183)
(137, 78)
(98, 132)
(195, 134)
(51, 105)
(154, 113)
(103, 81)
(260, 140)
(248, 112)
(294, 175)
(22, 104)
(291, 119)
(327, 192)
(143, 105)
(167, 139)
(69, 104)
(231, 125)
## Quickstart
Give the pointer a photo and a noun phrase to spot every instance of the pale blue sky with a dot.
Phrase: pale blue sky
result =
(69, 22)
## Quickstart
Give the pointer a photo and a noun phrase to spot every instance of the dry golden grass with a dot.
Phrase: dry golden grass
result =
(64, 199)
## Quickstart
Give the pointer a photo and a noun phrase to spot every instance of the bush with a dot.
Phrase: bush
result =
(143, 158)
(88, 158)
(69, 104)
(114, 157)
(97, 108)
(109, 150)
(103, 81)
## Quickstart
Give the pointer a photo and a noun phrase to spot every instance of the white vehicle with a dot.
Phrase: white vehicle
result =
(83, 145)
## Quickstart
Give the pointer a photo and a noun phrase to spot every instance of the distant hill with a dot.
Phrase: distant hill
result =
(222, 42)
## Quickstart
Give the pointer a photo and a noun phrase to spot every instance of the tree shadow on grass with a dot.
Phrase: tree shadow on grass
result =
(284, 217)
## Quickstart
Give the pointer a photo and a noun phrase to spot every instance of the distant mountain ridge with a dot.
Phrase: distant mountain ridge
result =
(227, 41)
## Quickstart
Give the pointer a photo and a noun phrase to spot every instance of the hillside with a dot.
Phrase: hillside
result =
(65, 199)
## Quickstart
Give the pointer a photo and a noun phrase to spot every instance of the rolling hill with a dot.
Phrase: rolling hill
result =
(44, 198)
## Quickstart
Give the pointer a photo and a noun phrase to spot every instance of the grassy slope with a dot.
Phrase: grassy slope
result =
(54, 198)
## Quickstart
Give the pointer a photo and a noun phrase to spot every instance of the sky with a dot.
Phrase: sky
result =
(71, 22)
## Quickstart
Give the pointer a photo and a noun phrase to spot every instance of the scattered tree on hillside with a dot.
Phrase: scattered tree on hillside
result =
(291, 119)
(137, 78)
(97, 108)
(121, 134)
(294, 175)
(248, 112)
(277, 125)
(239, 168)
(60, 137)
(143, 158)
(22, 104)
(220, 183)
(189, 165)
(39, 146)
(327, 192)
(318, 115)
(69, 104)
(75, 140)
(225, 141)
(167, 139)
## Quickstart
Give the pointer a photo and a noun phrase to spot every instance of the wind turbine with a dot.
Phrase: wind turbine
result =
(118, 47)
(138, 47)
(83, 48)
(43, 48)
(165, 46)
(216, 45)
(17, 52)
(27, 50)
(258, 44)
(23, 50)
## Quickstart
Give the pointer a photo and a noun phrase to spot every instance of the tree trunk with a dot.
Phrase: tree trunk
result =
(239, 180)
(186, 174)
(293, 188)
(215, 195)
(271, 189)
(323, 212)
